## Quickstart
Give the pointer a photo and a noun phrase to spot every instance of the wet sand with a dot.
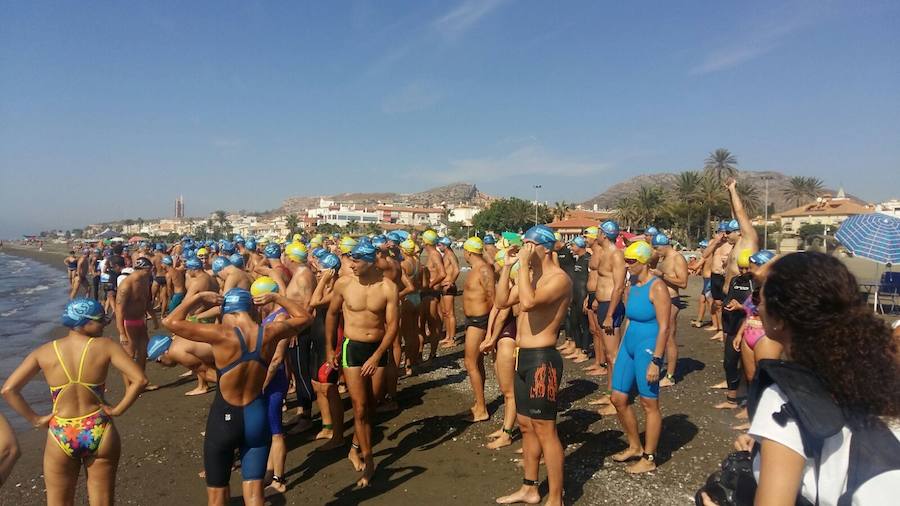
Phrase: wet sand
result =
(426, 453)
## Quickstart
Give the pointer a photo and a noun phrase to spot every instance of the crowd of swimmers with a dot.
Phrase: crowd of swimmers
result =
(320, 316)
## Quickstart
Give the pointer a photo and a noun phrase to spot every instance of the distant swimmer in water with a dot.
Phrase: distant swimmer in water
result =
(81, 429)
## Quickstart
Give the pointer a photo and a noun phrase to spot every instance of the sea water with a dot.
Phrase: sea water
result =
(32, 298)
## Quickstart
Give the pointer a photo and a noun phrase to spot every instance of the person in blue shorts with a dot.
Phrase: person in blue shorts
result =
(639, 359)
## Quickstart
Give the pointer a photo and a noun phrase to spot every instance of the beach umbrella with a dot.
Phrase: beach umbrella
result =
(137, 238)
(874, 236)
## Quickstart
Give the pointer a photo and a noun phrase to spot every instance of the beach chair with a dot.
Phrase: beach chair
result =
(889, 288)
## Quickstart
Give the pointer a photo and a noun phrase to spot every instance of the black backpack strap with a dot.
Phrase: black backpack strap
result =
(873, 450)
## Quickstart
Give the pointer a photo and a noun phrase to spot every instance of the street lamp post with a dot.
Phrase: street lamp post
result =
(536, 188)
(766, 214)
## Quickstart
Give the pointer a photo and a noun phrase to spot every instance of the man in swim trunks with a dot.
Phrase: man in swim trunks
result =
(156, 255)
(672, 270)
(610, 309)
(448, 291)
(305, 351)
(370, 305)
(409, 307)
(198, 357)
(478, 300)
(175, 283)
(589, 309)
(81, 280)
(133, 304)
(387, 262)
(431, 291)
(717, 254)
(545, 292)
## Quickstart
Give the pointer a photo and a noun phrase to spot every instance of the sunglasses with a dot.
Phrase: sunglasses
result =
(630, 261)
(104, 319)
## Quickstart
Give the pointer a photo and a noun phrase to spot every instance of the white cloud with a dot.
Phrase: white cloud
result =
(469, 12)
(531, 159)
(415, 96)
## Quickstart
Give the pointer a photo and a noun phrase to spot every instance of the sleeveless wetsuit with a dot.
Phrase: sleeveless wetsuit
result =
(229, 428)
(636, 351)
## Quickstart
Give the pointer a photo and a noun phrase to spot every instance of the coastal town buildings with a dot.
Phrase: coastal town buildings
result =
(826, 210)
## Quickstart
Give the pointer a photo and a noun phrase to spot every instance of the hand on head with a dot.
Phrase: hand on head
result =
(265, 298)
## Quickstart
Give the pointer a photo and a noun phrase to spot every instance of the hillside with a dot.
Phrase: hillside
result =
(609, 198)
(455, 193)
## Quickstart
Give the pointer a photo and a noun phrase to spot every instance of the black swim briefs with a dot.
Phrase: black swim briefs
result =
(536, 383)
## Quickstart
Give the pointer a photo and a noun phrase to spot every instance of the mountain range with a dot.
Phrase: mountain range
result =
(455, 193)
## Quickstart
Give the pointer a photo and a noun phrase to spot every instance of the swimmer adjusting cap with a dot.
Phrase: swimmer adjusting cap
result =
(330, 261)
(761, 257)
(640, 251)
(158, 345)
(474, 245)
(723, 226)
(732, 226)
(263, 284)
(219, 263)
(541, 235)
(237, 260)
(272, 251)
(237, 300)
(500, 257)
(429, 237)
(610, 229)
(660, 240)
(81, 311)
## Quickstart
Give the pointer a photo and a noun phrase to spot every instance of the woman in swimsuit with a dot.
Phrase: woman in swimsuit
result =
(81, 430)
(242, 348)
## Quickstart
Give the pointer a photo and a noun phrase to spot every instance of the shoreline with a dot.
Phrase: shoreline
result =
(425, 453)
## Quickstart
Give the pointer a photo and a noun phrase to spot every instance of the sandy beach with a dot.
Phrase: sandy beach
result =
(426, 453)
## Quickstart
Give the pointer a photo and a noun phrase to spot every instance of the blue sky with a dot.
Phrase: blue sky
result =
(110, 110)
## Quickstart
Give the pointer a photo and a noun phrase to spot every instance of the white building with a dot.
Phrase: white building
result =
(463, 215)
(342, 215)
(411, 216)
(890, 208)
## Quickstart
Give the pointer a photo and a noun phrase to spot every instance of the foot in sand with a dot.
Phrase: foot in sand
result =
(478, 416)
(325, 434)
(607, 410)
(526, 494)
(502, 441)
(743, 426)
(718, 336)
(278, 486)
(497, 433)
(667, 382)
(742, 414)
(603, 399)
(720, 386)
(628, 454)
(726, 405)
(368, 472)
(354, 459)
(151, 387)
(186, 374)
(581, 358)
(602, 371)
(198, 391)
(641, 466)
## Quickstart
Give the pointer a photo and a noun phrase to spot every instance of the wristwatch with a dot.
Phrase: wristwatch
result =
(657, 361)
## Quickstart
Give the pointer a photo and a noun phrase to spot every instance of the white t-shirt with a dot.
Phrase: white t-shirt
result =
(834, 463)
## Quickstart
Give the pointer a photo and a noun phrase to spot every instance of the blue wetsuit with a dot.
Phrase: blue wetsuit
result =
(636, 350)
(244, 428)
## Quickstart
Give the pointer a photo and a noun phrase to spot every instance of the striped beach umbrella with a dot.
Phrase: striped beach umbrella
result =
(874, 236)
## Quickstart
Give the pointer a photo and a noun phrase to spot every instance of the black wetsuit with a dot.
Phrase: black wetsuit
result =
(577, 323)
(740, 288)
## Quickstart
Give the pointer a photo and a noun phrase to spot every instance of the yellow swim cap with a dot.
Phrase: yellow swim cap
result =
(263, 284)
(558, 236)
(591, 232)
(430, 237)
(296, 251)
(347, 244)
(474, 245)
(640, 251)
(202, 252)
(514, 272)
(297, 238)
(743, 259)
(500, 257)
(408, 246)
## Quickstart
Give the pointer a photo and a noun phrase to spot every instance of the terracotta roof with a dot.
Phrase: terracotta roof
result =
(410, 209)
(597, 216)
(829, 207)
(574, 223)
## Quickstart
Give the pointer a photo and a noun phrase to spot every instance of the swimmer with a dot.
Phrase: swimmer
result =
(81, 429)
(230, 276)
(133, 304)
(175, 283)
(242, 350)
(197, 357)
(490, 250)
(672, 270)
(640, 358)
(545, 292)
(733, 314)
(717, 254)
(410, 325)
(370, 305)
(448, 291)
(71, 263)
(387, 261)
(434, 273)
(478, 300)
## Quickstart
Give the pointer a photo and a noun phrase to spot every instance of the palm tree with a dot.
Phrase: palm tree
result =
(292, 223)
(720, 165)
(712, 198)
(561, 210)
(749, 194)
(684, 197)
(802, 189)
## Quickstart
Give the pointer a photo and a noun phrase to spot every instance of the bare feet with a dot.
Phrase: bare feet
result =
(369, 471)
(641, 466)
(151, 387)
(628, 454)
(668, 381)
(720, 386)
(478, 416)
(607, 410)
(743, 426)
(603, 399)
(726, 405)
(198, 391)
(497, 433)
(325, 434)
(598, 372)
(278, 486)
(718, 336)
(581, 358)
(500, 442)
(742, 414)
(353, 456)
(186, 374)
(526, 494)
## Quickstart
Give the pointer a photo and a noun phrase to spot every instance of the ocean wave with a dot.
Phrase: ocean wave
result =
(11, 312)
(39, 288)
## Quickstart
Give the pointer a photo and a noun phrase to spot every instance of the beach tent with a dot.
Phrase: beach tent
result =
(118, 239)
(137, 238)
(107, 234)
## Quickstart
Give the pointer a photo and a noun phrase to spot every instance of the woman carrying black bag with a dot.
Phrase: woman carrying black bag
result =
(826, 422)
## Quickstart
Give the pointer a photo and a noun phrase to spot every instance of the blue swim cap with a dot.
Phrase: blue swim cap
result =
(489, 239)
(363, 251)
(723, 226)
(219, 263)
(160, 246)
(403, 234)
(651, 231)
(762, 256)
(193, 264)
(158, 345)
(579, 241)
(250, 244)
(238, 239)
(446, 241)
(81, 311)
(228, 247)
(660, 240)
(272, 251)
(237, 260)
(610, 229)
(167, 260)
(237, 300)
(213, 248)
(379, 241)
(320, 253)
(704, 244)
(541, 235)
(394, 237)
(732, 226)
(185, 239)
(330, 261)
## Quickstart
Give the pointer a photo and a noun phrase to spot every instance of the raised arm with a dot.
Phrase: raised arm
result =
(322, 294)
(177, 322)
(553, 289)
(501, 296)
(288, 327)
(747, 230)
